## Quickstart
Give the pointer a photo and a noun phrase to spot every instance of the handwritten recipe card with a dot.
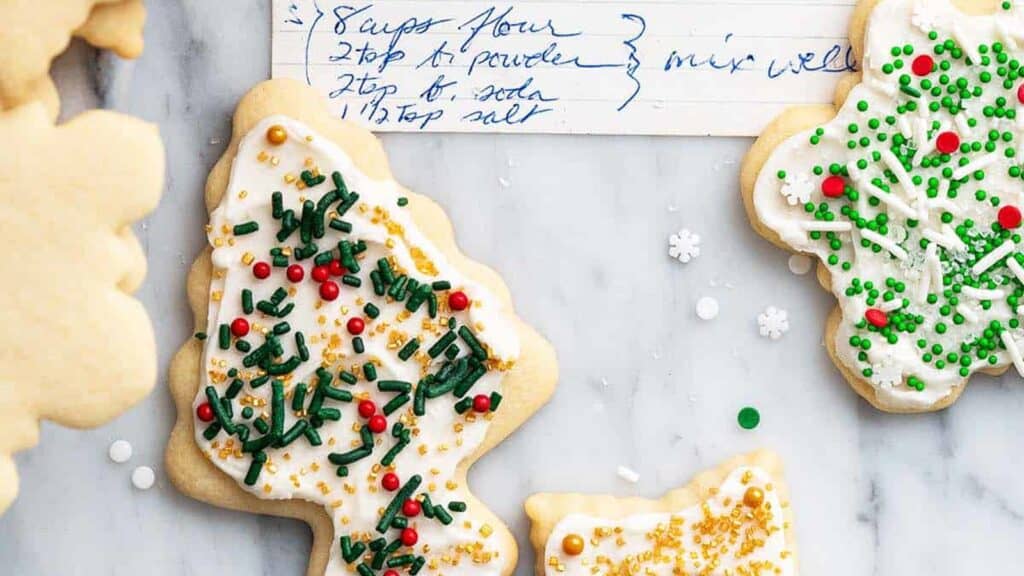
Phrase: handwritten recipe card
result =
(717, 67)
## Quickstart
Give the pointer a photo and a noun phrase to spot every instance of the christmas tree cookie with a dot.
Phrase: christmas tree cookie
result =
(34, 33)
(909, 191)
(351, 364)
(77, 349)
(734, 519)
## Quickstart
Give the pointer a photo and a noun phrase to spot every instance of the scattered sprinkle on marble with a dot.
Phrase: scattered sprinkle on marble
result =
(707, 308)
(684, 245)
(773, 322)
(120, 451)
(604, 382)
(504, 182)
(748, 418)
(143, 477)
(628, 474)
(800, 264)
(672, 208)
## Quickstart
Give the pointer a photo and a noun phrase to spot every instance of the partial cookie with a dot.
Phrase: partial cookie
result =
(909, 192)
(77, 349)
(734, 519)
(34, 33)
(353, 363)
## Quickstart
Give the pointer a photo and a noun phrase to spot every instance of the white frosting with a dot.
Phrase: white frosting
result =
(899, 23)
(752, 541)
(441, 439)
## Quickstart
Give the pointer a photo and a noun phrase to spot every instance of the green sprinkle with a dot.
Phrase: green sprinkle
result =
(246, 228)
(255, 467)
(409, 349)
(748, 418)
(224, 337)
(403, 201)
(299, 397)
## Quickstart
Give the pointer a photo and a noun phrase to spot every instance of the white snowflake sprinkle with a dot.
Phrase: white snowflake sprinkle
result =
(684, 246)
(797, 189)
(886, 374)
(773, 322)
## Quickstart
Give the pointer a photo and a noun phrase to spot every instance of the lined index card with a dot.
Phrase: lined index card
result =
(685, 67)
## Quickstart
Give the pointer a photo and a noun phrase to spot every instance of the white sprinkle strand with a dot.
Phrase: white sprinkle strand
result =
(884, 242)
(982, 294)
(1011, 347)
(992, 257)
(897, 168)
(1016, 268)
(889, 199)
(946, 241)
(966, 312)
(969, 47)
(120, 451)
(628, 474)
(975, 165)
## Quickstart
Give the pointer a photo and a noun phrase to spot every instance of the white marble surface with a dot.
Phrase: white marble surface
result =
(580, 234)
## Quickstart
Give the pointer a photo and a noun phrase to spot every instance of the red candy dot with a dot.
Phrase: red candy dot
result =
(833, 186)
(1009, 217)
(411, 508)
(876, 318)
(335, 268)
(355, 326)
(410, 537)
(390, 573)
(390, 482)
(329, 290)
(947, 142)
(377, 423)
(261, 270)
(239, 327)
(320, 273)
(481, 403)
(205, 412)
(1020, 93)
(458, 301)
(296, 273)
(923, 65)
(367, 408)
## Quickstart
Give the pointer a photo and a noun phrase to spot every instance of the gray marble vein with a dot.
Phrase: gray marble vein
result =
(578, 227)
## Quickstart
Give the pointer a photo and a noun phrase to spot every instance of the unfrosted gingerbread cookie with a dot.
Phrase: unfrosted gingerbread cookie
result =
(353, 364)
(34, 33)
(734, 519)
(76, 348)
(909, 192)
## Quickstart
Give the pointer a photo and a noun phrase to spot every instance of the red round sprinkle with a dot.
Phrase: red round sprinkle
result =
(481, 403)
(410, 537)
(390, 482)
(205, 412)
(377, 423)
(367, 408)
(296, 273)
(947, 142)
(261, 270)
(390, 573)
(876, 318)
(355, 326)
(239, 327)
(335, 268)
(923, 65)
(458, 301)
(1020, 93)
(320, 273)
(833, 186)
(1009, 217)
(329, 290)
(411, 508)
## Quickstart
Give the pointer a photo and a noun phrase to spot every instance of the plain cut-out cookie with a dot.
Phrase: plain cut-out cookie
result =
(733, 519)
(356, 364)
(77, 348)
(34, 33)
(914, 210)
